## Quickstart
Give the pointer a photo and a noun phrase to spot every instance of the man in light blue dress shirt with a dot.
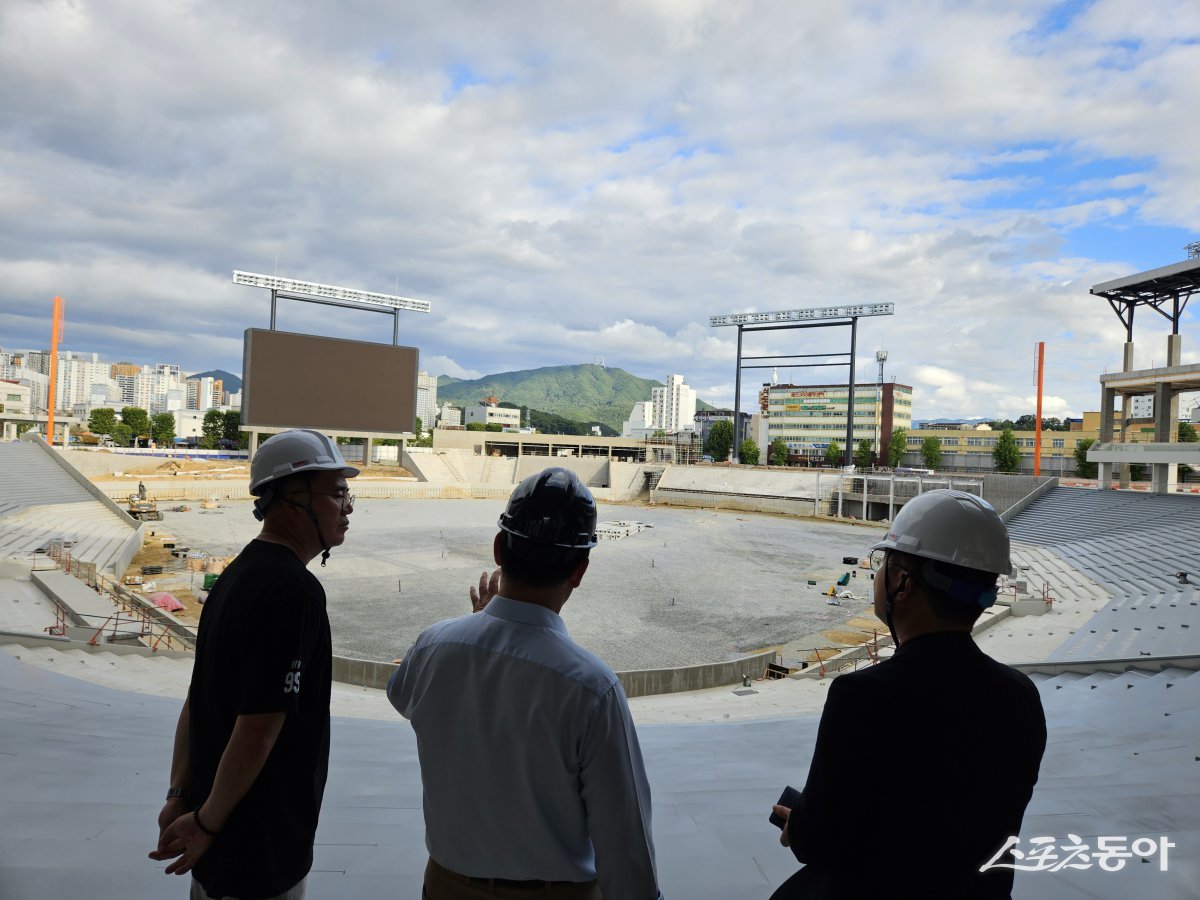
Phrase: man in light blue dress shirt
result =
(533, 777)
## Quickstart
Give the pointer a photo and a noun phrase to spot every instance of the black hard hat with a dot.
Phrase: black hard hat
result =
(553, 508)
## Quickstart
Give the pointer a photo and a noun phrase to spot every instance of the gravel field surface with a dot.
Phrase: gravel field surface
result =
(700, 586)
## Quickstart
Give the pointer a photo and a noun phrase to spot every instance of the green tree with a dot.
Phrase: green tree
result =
(474, 426)
(748, 453)
(162, 428)
(931, 452)
(1006, 454)
(779, 452)
(1083, 468)
(896, 447)
(137, 419)
(719, 442)
(1187, 433)
(102, 420)
(231, 425)
(493, 426)
(418, 427)
(122, 435)
(864, 455)
(833, 454)
(659, 435)
(213, 428)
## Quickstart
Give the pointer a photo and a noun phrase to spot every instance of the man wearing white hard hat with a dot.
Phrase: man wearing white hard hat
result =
(252, 743)
(924, 764)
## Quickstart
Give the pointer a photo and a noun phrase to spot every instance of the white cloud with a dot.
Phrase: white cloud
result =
(564, 183)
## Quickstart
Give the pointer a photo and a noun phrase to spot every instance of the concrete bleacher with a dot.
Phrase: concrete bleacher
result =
(45, 500)
(85, 744)
(1131, 545)
(83, 766)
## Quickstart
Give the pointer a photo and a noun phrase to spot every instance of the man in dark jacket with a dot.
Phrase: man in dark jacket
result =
(923, 764)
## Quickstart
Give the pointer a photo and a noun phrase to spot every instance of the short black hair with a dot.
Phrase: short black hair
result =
(536, 565)
(939, 579)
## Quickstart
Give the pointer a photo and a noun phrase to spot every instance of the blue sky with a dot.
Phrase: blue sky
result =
(571, 182)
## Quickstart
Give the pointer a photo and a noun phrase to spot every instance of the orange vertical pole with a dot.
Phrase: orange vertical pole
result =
(1037, 428)
(55, 334)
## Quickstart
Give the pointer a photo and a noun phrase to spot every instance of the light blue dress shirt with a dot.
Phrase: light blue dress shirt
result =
(529, 760)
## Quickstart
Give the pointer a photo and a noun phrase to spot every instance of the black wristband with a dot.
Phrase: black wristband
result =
(178, 792)
(200, 825)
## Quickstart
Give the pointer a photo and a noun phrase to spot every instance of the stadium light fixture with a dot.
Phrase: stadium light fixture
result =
(329, 291)
(805, 315)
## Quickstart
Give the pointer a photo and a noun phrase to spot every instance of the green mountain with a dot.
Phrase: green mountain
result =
(586, 393)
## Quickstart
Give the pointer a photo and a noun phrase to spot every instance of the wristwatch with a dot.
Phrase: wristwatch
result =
(173, 792)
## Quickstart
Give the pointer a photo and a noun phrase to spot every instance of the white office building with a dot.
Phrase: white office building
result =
(507, 418)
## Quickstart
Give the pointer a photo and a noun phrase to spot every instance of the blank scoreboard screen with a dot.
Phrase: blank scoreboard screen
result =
(328, 384)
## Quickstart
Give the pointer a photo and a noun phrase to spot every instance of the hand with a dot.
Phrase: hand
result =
(783, 812)
(184, 839)
(172, 810)
(488, 588)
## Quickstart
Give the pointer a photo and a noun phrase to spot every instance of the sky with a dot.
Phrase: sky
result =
(589, 182)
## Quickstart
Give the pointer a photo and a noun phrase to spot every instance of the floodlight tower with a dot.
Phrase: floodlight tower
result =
(881, 358)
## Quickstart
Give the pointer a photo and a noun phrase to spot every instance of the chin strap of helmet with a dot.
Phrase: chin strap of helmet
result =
(887, 601)
(307, 507)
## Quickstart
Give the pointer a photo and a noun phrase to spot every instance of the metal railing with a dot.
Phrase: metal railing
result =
(139, 620)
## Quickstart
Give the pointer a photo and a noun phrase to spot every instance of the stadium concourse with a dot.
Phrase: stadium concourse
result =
(85, 731)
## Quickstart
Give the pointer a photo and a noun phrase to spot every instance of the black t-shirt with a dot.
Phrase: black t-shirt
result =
(922, 769)
(263, 646)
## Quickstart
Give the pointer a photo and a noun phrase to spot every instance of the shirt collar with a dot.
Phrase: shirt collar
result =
(524, 613)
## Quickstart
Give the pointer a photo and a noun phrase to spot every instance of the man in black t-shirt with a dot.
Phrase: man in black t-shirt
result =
(252, 743)
(923, 764)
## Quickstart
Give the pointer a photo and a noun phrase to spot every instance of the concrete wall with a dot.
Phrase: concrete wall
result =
(635, 684)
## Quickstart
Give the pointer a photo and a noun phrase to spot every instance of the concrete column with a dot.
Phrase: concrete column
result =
(1104, 472)
(252, 447)
(1126, 410)
(366, 452)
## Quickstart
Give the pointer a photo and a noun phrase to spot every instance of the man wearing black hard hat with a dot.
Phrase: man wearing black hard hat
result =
(532, 774)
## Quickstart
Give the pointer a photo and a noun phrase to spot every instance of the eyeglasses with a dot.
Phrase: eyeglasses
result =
(346, 500)
(877, 558)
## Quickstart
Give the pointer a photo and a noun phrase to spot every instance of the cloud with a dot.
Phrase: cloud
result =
(564, 183)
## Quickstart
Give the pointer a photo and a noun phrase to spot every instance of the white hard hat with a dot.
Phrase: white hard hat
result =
(289, 452)
(952, 527)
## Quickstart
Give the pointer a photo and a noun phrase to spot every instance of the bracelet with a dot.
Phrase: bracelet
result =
(178, 793)
(200, 825)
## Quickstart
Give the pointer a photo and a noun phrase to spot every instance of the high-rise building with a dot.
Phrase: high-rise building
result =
(674, 405)
(427, 407)
(671, 409)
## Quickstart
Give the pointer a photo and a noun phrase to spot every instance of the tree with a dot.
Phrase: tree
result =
(658, 435)
(1027, 422)
(474, 426)
(418, 427)
(833, 454)
(122, 435)
(1006, 454)
(1083, 468)
(719, 442)
(779, 452)
(213, 427)
(162, 428)
(137, 419)
(102, 420)
(896, 447)
(864, 455)
(931, 452)
(231, 425)
(1187, 433)
(1137, 472)
(748, 453)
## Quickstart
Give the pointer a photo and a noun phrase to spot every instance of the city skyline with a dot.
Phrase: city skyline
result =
(572, 184)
